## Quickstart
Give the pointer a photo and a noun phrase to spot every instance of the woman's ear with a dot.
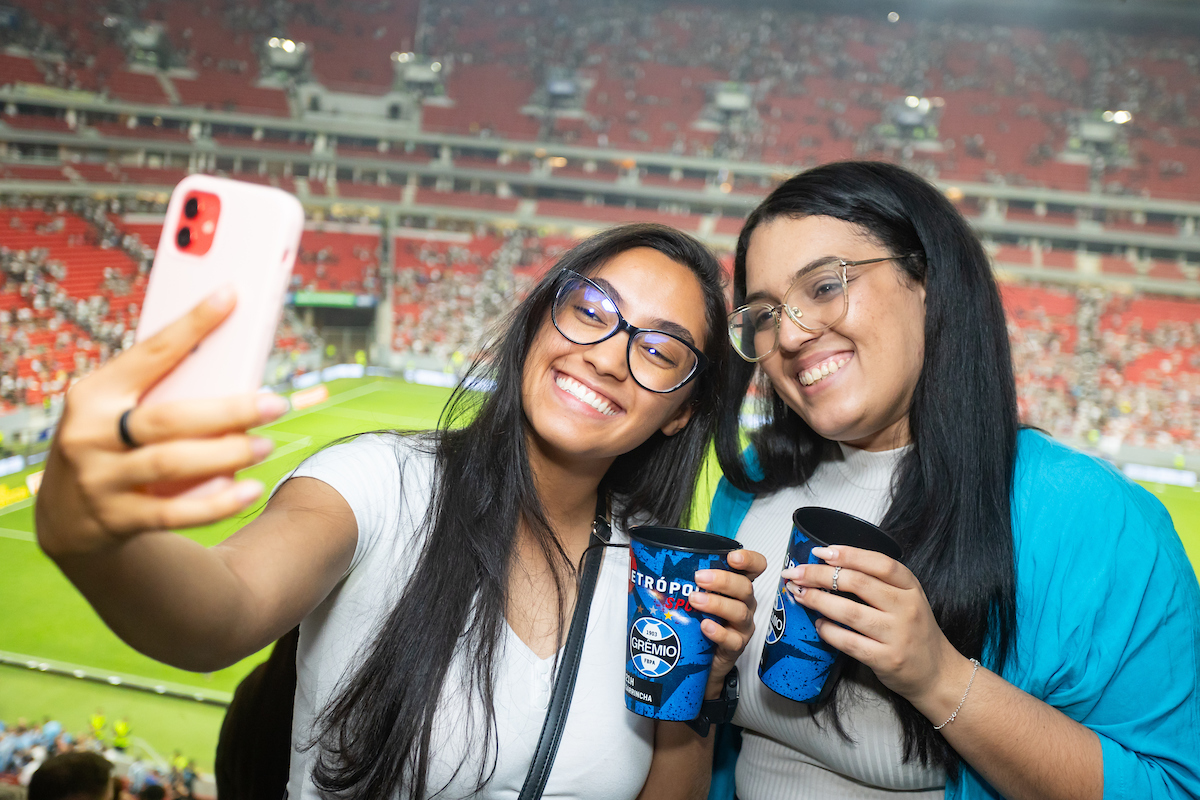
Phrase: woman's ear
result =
(678, 420)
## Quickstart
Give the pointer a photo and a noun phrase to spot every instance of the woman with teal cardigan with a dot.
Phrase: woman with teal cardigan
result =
(1041, 638)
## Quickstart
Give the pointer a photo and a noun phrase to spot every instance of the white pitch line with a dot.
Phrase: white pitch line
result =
(289, 448)
(334, 400)
(20, 536)
(17, 506)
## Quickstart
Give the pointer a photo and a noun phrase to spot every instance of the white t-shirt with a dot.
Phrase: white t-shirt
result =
(605, 750)
(786, 753)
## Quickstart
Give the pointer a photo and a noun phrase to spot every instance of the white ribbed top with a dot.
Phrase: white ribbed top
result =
(785, 755)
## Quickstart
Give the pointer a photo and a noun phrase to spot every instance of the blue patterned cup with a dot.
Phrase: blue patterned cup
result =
(796, 662)
(668, 658)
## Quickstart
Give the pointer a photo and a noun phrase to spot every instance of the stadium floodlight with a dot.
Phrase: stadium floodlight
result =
(436, 66)
(912, 101)
(273, 42)
(893, 16)
(1107, 116)
(1121, 117)
(288, 46)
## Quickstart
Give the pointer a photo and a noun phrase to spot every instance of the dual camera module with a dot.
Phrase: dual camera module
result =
(191, 210)
(197, 222)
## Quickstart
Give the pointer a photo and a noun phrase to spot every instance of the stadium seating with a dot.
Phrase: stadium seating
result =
(336, 261)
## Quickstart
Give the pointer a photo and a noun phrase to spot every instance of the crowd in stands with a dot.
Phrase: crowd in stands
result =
(1094, 365)
(62, 311)
(25, 747)
(818, 83)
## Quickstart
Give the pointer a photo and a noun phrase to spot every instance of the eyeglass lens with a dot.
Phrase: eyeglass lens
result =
(814, 302)
(658, 361)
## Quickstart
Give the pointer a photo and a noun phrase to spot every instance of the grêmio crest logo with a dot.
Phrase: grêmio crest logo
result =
(653, 647)
(778, 619)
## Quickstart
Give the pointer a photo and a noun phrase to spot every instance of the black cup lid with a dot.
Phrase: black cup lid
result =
(830, 527)
(683, 539)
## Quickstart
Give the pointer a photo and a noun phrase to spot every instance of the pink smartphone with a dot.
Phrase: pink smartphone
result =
(220, 232)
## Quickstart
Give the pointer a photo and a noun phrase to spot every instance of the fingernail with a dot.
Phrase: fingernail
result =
(704, 575)
(698, 598)
(222, 298)
(261, 446)
(800, 591)
(793, 573)
(248, 490)
(271, 406)
(825, 553)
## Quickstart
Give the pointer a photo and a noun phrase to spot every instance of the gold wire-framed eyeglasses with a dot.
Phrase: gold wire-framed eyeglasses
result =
(817, 299)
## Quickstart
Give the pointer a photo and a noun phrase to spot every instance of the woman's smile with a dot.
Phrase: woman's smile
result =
(814, 370)
(582, 393)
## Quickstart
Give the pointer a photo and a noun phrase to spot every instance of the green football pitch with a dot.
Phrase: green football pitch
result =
(46, 620)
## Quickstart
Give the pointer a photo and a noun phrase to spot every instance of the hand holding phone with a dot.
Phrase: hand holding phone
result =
(191, 379)
(97, 492)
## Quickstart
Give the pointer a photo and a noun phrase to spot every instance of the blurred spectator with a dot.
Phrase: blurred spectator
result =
(74, 776)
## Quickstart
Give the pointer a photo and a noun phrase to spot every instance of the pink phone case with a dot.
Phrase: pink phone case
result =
(253, 247)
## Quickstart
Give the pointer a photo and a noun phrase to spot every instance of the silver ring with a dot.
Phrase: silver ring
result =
(836, 570)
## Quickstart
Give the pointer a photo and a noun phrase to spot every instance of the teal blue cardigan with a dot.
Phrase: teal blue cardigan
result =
(1108, 620)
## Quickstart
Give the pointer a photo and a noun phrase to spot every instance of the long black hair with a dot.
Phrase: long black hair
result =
(951, 492)
(374, 739)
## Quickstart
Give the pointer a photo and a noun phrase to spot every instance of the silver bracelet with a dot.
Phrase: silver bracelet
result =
(964, 697)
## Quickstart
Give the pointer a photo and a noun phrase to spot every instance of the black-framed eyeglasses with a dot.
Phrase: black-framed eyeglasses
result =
(659, 361)
(817, 299)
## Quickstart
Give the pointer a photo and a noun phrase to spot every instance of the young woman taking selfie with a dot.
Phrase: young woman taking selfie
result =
(432, 575)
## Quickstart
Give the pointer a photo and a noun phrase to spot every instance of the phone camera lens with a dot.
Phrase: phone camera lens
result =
(191, 208)
(184, 237)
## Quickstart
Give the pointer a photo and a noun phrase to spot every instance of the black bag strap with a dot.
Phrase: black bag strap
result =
(568, 667)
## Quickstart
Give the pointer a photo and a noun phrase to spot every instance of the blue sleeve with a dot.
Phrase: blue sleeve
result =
(729, 507)
(1108, 621)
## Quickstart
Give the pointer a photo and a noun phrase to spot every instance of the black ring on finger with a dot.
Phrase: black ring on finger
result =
(123, 431)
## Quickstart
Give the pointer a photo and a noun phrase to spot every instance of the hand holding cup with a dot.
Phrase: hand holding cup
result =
(728, 595)
(891, 627)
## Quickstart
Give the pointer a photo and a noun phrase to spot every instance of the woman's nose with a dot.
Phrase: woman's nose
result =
(610, 356)
(791, 335)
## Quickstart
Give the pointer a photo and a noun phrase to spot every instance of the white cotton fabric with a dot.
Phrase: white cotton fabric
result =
(605, 751)
(785, 755)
